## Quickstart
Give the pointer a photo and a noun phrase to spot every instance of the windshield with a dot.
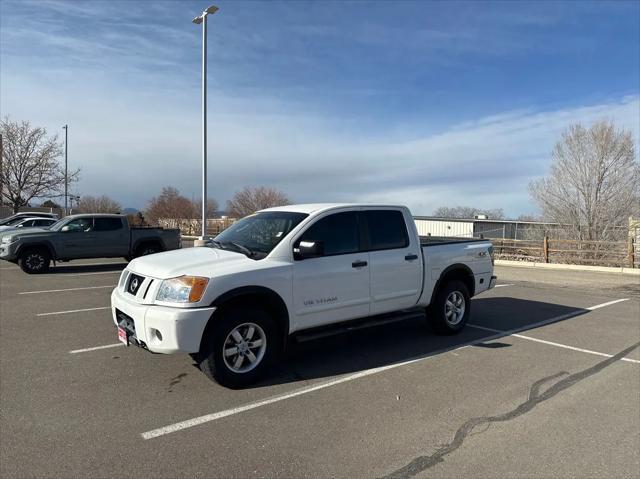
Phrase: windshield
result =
(261, 232)
(13, 221)
(58, 224)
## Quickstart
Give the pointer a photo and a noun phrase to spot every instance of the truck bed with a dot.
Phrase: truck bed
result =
(440, 240)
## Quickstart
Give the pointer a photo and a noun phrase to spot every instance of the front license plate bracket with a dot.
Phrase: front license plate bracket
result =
(123, 336)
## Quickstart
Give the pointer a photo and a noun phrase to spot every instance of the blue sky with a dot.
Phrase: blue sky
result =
(422, 103)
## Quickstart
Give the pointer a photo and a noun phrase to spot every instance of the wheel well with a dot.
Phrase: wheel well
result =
(41, 246)
(456, 273)
(144, 243)
(256, 297)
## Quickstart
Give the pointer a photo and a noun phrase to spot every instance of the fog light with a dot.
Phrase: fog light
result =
(157, 334)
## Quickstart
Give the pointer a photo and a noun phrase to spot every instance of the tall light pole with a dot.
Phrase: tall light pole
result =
(66, 179)
(202, 19)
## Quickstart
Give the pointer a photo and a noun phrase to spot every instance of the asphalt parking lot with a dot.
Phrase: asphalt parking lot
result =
(545, 382)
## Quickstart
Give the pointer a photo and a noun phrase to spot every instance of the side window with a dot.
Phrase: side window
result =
(108, 224)
(339, 233)
(387, 229)
(80, 225)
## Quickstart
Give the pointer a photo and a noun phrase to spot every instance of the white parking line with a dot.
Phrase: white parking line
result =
(550, 343)
(85, 350)
(73, 311)
(502, 285)
(598, 306)
(299, 392)
(368, 372)
(67, 289)
(512, 332)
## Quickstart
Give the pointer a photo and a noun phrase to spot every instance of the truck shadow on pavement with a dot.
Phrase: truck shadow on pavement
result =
(411, 339)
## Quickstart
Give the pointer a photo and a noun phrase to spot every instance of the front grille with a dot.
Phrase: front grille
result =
(144, 296)
(134, 283)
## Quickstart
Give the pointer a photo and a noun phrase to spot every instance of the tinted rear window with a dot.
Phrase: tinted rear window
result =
(107, 224)
(387, 229)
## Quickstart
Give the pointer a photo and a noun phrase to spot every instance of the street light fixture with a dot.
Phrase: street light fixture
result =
(202, 19)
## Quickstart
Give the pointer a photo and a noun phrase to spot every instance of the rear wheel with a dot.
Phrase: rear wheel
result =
(450, 310)
(35, 260)
(241, 347)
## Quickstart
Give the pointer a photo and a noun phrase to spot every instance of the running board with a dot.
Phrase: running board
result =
(356, 324)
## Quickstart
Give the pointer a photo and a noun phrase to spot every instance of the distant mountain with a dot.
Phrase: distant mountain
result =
(129, 211)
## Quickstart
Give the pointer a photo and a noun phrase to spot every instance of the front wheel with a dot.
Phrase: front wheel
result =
(35, 260)
(242, 347)
(451, 308)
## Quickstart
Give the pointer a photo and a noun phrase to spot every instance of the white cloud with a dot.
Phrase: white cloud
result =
(131, 144)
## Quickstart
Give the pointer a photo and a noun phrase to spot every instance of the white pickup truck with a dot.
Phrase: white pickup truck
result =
(302, 270)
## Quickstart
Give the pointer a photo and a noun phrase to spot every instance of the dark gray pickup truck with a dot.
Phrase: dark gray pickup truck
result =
(84, 236)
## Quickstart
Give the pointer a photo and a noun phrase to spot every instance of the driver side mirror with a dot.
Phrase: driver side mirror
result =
(308, 249)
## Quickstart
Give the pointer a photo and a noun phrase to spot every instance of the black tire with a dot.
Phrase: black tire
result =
(239, 319)
(441, 316)
(147, 248)
(35, 260)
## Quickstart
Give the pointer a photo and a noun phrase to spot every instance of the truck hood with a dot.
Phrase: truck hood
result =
(20, 232)
(197, 261)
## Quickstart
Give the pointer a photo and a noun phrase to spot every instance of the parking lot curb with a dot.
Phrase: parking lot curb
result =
(574, 267)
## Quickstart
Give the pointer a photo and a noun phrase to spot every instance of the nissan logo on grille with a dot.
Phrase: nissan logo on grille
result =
(134, 284)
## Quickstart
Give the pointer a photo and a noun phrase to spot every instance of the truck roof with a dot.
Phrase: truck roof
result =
(95, 215)
(309, 208)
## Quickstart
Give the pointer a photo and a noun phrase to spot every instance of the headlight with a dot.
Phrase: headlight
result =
(185, 289)
(6, 239)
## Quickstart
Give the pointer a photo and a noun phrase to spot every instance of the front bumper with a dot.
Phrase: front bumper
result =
(180, 329)
(492, 283)
(8, 251)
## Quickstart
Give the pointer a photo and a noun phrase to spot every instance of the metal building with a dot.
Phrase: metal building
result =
(443, 226)
(482, 226)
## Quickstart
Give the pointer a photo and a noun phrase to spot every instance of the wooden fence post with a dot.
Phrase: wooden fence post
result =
(630, 252)
(545, 249)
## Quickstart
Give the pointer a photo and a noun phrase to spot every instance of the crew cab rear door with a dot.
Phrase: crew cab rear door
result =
(334, 286)
(395, 260)
(111, 236)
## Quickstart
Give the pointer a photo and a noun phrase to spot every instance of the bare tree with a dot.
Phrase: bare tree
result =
(172, 205)
(136, 219)
(100, 204)
(51, 204)
(212, 207)
(251, 199)
(594, 182)
(529, 217)
(177, 211)
(31, 166)
(468, 212)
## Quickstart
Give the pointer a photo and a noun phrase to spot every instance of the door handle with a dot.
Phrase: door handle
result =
(358, 264)
(411, 257)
